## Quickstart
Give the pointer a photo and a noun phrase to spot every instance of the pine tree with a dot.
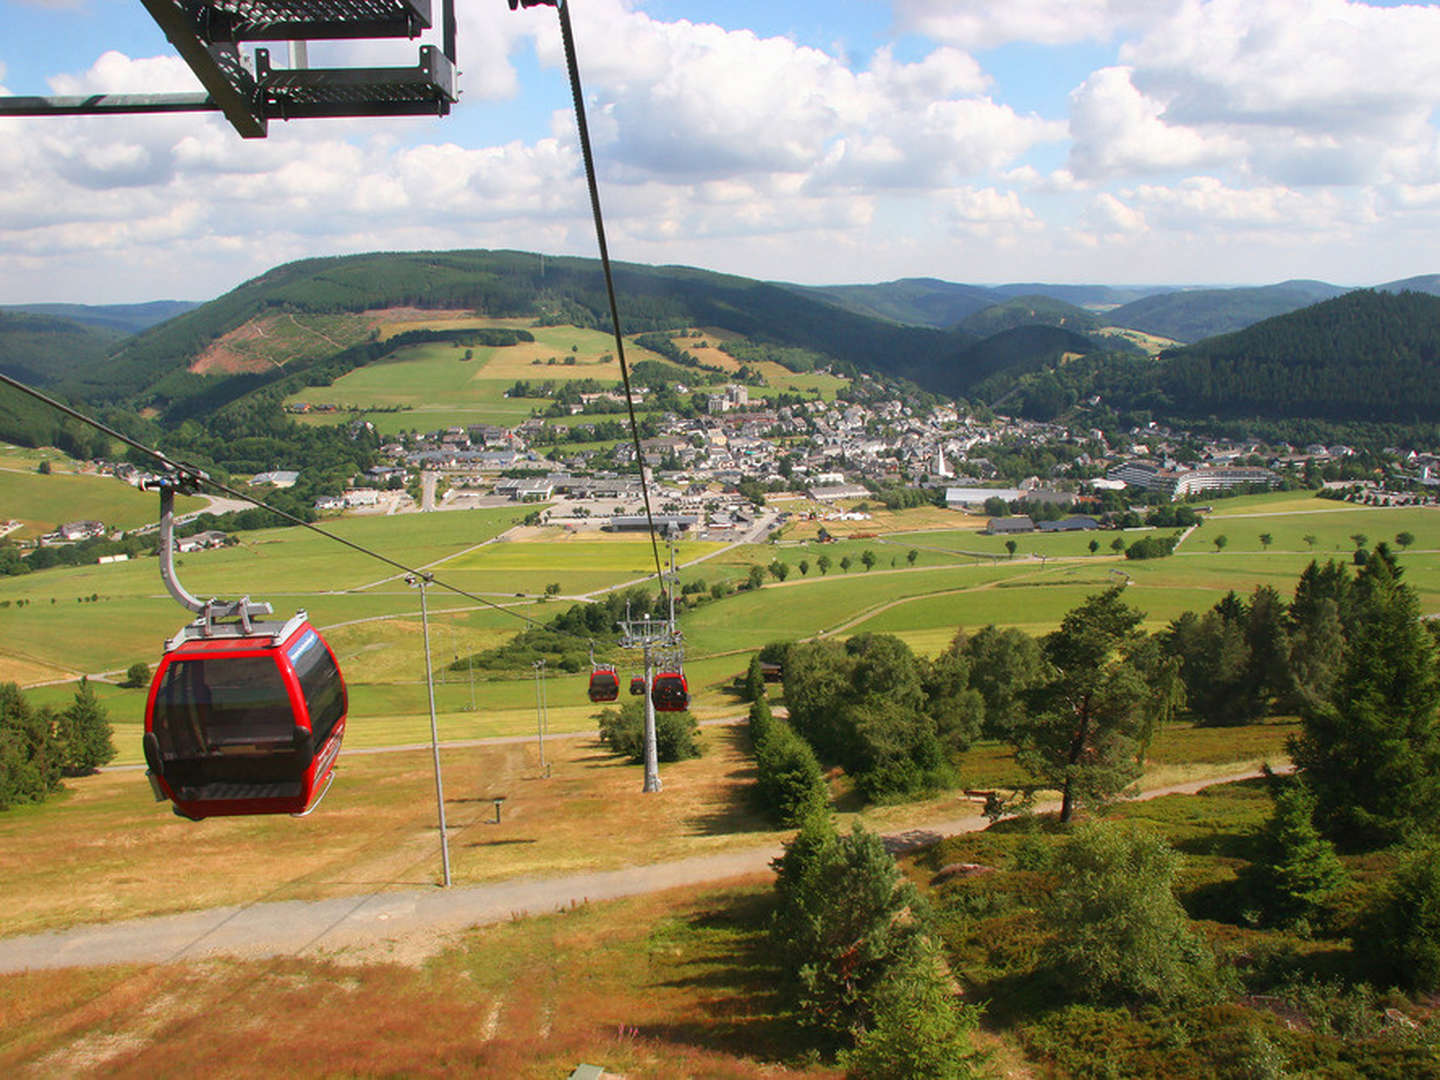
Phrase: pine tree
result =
(29, 753)
(1372, 753)
(1296, 869)
(919, 1031)
(84, 734)
(846, 916)
(1086, 720)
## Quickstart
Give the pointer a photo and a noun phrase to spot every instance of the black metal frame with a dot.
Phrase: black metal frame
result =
(207, 34)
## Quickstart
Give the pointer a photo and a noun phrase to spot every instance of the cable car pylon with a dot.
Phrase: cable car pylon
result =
(653, 638)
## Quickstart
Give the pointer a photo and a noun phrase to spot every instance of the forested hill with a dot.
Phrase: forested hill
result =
(119, 318)
(1367, 355)
(1032, 311)
(1194, 314)
(510, 283)
(45, 349)
(916, 301)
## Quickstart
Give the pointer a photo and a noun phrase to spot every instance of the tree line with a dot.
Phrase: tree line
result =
(40, 745)
(1348, 653)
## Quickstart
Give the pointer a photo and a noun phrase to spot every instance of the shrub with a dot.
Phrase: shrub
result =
(1120, 931)
(136, 675)
(623, 731)
(1404, 927)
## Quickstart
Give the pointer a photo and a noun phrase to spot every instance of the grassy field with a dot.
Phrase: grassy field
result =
(435, 387)
(43, 502)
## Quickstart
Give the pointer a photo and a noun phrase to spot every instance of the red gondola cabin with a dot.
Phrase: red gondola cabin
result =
(245, 722)
(604, 685)
(637, 686)
(670, 692)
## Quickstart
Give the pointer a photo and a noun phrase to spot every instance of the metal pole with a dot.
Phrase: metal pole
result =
(539, 714)
(435, 736)
(652, 757)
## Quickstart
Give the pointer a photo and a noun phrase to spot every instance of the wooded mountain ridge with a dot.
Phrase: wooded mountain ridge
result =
(998, 339)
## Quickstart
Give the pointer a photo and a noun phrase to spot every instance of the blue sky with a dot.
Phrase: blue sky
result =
(1176, 141)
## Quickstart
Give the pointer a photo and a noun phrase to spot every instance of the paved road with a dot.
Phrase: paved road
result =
(299, 927)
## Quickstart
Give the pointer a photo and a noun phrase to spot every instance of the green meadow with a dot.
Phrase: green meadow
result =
(371, 617)
(43, 502)
(435, 387)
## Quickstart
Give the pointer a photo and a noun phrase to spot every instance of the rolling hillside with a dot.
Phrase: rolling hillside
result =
(158, 367)
(45, 349)
(1372, 356)
(1031, 311)
(1193, 314)
(119, 318)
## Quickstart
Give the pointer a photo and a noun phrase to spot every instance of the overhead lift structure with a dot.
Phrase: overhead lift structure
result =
(208, 35)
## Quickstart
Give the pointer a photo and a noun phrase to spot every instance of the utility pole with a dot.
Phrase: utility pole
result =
(422, 582)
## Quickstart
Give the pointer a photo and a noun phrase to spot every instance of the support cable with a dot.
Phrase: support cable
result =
(573, 66)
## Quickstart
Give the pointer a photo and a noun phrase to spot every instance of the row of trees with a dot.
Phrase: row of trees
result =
(39, 745)
(1079, 705)
(1349, 653)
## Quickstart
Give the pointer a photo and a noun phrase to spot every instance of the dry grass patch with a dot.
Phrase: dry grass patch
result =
(29, 672)
(106, 851)
(677, 984)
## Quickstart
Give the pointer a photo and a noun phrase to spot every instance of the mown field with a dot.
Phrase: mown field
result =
(41, 503)
(958, 579)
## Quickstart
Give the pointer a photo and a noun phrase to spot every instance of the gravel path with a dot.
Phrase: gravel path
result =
(390, 919)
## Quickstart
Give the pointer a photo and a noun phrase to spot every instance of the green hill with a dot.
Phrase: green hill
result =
(1367, 356)
(118, 318)
(1001, 359)
(151, 369)
(1426, 283)
(45, 349)
(1195, 314)
(1031, 311)
(915, 301)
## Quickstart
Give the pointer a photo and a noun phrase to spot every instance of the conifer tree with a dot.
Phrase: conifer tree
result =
(1297, 868)
(846, 917)
(1372, 753)
(29, 753)
(1086, 720)
(84, 734)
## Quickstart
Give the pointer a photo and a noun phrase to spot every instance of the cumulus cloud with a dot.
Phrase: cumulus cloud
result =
(981, 24)
(1117, 130)
(1302, 92)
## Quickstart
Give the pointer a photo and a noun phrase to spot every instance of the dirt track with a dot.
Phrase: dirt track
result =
(413, 920)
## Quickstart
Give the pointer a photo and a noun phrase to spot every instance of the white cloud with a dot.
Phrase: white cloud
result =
(694, 101)
(1323, 92)
(1117, 130)
(983, 24)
